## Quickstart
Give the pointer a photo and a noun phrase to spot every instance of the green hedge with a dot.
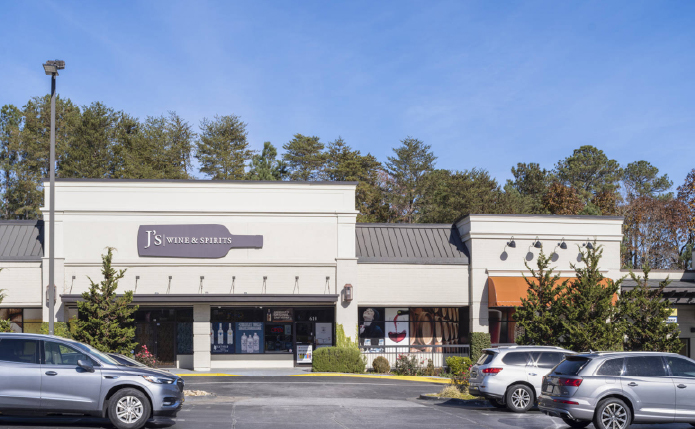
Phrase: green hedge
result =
(479, 342)
(458, 364)
(338, 359)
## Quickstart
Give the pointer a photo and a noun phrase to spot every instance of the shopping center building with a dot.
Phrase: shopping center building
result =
(231, 274)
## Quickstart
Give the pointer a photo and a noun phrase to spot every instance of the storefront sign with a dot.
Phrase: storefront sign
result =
(278, 315)
(192, 241)
(673, 318)
(304, 353)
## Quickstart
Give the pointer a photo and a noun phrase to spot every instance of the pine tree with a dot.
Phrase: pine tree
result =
(105, 321)
(304, 157)
(407, 172)
(222, 148)
(266, 166)
(644, 313)
(539, 317)
(589, 316)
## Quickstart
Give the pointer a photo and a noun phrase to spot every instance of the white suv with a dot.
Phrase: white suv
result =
(512, 376)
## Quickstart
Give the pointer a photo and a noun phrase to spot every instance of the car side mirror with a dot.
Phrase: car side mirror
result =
(85, 365)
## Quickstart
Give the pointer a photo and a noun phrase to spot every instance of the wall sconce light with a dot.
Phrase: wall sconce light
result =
(537, 243)
(511, 243)
(347, 296)
(562, 244)
(263, 289)
(201, 283)
(328, 285)
(296, 284)
(588, 244)
(169, 286)
(136, 283)
(231, 290)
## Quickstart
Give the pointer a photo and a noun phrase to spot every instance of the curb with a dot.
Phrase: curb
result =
(467, 402)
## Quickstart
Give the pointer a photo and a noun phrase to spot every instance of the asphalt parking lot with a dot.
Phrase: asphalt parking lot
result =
(320, 402)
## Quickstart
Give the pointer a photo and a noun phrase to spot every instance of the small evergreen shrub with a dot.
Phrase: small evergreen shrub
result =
(479, 342)
(429, 371)
(338, 359)
(5, 326)
(407, 365)
(458, 364)
(381, 365)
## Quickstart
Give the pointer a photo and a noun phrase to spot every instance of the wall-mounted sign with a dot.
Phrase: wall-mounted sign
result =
(192, 241)
(673, 318)
(278, 315)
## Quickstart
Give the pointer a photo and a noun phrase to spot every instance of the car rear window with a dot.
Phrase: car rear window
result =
(571, 366)
(516, 358)
(485, 358)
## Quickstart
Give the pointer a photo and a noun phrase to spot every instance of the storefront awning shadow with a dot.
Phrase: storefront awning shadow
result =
(217, 299)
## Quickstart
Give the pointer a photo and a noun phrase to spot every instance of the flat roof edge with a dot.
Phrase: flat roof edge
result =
(288, 182)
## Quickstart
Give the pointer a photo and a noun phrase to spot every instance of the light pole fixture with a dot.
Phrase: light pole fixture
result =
(51, 68)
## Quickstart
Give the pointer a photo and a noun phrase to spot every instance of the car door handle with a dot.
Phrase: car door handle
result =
(682, 386)
(51, 373)
(633, 384)
(532, 374)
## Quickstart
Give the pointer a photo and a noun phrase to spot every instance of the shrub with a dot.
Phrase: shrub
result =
(60, 329)
(429, 371)
(457, 364)
(462, 380)
(381, 365)
(5, 326)
(479, 342)
(338, 359)
(145, 357)
(407, 365)
(343, 341)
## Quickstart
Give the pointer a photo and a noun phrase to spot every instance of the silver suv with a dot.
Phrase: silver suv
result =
(45, 374)
(512, 376)
(616, 389)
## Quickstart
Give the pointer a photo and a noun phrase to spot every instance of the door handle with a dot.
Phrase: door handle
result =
(633, 384)
(51, 373)
(682, 386)
(532, 374)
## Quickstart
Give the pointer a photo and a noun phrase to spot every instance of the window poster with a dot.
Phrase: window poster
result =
(397, 327)
(434, 326)
(324, 334)
(278, 315)
(222, 337)
(371, 325)
(248, 337)
(304, 353)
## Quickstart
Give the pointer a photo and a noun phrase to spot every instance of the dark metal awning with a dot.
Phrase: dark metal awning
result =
(220, 299)
(677, 291)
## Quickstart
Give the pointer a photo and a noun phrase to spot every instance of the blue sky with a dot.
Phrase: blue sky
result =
(487, 84)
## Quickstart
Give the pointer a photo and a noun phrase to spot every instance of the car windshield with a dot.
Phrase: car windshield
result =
(570, 366)
(96, 353)
(131, 362)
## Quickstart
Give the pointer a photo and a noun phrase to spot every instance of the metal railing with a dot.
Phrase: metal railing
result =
(438, 353)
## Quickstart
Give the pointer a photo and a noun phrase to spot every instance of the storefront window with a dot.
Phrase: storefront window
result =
(418, 326)
(278, 338)
(166, 332)
(15, 316)
(502, 325)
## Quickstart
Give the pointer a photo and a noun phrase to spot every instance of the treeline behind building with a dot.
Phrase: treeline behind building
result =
(97, 141)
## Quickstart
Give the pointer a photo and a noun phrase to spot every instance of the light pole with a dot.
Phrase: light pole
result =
(51, 68)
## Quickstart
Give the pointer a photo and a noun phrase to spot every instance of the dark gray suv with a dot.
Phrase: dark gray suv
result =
(46, 374)
(616, 389)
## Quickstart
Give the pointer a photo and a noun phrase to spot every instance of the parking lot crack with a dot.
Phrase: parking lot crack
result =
(335, 419)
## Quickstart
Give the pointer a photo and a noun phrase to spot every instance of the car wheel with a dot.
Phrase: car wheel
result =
(520, 398)
(497, 403)
(612, 413)
(129, 409)
(579, 424)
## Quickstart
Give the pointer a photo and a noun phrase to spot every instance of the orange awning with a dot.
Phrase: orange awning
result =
(508, 291)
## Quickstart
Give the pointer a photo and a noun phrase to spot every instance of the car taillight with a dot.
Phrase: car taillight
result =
(573, 382)
(566, 402)
(491, 370)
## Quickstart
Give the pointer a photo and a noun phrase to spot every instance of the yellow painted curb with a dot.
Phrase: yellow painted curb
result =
(381, 377)
(206, 375)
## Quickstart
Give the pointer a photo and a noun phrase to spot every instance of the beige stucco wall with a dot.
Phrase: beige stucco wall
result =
(412, 285)
(22, 284)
